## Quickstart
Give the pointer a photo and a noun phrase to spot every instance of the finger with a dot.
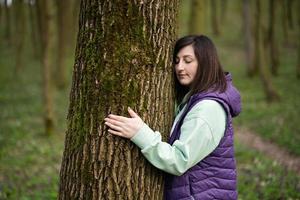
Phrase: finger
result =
(114, 122)
(117, 128)
(115, 132)
(132, 113)
(117, 117)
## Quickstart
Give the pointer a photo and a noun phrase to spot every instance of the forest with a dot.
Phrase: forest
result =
(65, 65)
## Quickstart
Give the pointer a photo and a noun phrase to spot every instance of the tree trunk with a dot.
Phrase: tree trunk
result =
(34, 30)
(214, 17)
(248, 38)
(64, 27)
(298, 21)
(7, 20)
(272, 38)
(123, 58)
(284, 19)
(290, 13)
(46, 24)
(265, 74)
(20, 23)
(197, 24)
(223, 15)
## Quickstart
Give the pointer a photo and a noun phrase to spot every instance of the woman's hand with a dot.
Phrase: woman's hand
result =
(124, 126)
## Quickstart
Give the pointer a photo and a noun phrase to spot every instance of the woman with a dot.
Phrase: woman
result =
(199, 156)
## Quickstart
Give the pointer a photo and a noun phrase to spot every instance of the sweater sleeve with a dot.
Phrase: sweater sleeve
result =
(201, 132)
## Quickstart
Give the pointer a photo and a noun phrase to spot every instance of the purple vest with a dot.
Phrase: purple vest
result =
(214, 177)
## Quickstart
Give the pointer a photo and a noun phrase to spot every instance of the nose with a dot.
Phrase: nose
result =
(180, 66)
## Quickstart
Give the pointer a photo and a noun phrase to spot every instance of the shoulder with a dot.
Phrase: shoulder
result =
(206, 109)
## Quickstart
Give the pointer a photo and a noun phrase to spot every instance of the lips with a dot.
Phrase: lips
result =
(182, 75)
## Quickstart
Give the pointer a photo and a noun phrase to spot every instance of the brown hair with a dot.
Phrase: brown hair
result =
(209, 75)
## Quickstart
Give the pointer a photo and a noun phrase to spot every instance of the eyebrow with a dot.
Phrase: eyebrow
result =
(186, 56)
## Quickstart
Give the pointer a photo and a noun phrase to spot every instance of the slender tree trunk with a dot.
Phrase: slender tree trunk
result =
(248, 37)
(265, 74)
(273, 38)
(223, 15)
(198, 17)
(47, 39)
(20, 22)
(298, 21)
(290, 13)
(214, 17)
(123, 58)
(7, 19)
(64, 27)
(284, 19)
(34, 30)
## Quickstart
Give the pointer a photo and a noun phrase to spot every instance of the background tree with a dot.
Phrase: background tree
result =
(214, 17)
(46, 24)
(260, 55)
(273, 38)
(7, 21)
(20, 28)
(298, 48)
(123, 58)
(198, 17)
(64, 27)
(247, 25)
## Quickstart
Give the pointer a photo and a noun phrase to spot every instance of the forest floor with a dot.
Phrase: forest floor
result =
(270, 149)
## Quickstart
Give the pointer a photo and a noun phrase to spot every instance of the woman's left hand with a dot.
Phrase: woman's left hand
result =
(124, 126)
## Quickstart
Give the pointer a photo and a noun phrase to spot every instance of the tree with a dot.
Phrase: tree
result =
(214, 17)
(64, 27)
(46, 25)
(272, 38)
(198, 17)
(247, 25)
(123, 58)
(20, 22)
(264, 71)
(7, 21)
(298, 21)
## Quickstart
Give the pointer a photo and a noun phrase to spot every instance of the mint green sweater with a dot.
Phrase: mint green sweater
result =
(201, 132)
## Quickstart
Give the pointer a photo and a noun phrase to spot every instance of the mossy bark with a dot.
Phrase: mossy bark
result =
(123, 58)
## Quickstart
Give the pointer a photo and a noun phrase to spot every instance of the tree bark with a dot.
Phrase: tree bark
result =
(46, 25)
(272, 38)
(197, 24)
(248, 38)
(264, 71)
(123, 58)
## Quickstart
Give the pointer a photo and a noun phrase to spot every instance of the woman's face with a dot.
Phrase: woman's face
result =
(186, 65)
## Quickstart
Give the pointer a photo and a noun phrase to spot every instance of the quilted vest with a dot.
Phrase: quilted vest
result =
(214, 177)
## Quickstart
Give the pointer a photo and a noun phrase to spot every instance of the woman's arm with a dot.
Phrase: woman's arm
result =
(201, 132)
